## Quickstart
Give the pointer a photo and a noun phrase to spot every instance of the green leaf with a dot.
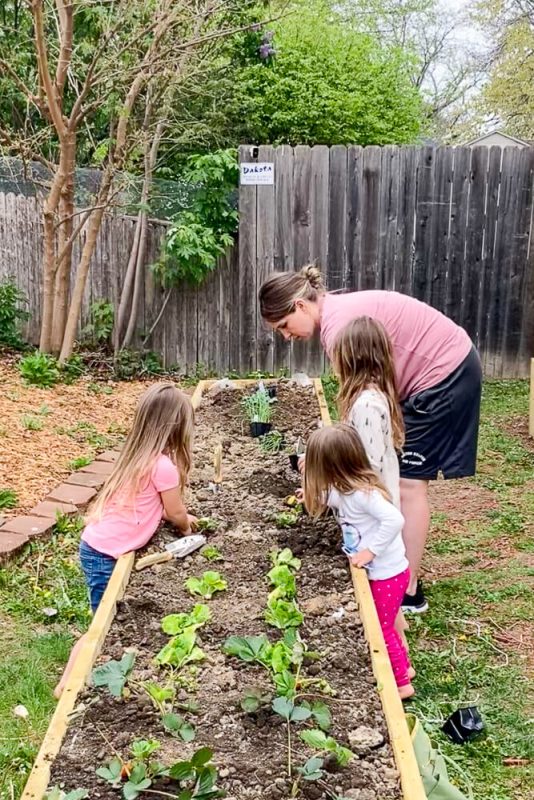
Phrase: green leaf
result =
(300, 713)
(282, 706)
(343, 755)
(180, 650)
(283, 613)
(206, 779)
(314, 738)
(312, 770)
(202, 757)
(282, 577)
(285, 684)
(248, 648)
(113, 674)
(321, 714)
(111, 772)
(174, 624)
(207, 585)
(182, 771)
(132, 790)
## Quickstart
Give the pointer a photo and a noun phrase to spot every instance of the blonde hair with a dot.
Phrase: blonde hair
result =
(363, 355)
(336, 459)
(279, 292)
(163, 423)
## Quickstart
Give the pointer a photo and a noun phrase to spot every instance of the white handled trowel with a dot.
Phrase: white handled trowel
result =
(177, 549)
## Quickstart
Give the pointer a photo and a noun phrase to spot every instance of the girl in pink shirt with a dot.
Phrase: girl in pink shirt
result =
(439, 379)
(145, 487)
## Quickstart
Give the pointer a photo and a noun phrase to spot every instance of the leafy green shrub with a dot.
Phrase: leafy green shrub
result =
(98, 332)
(11, 314)
(136, 364)
(39, 369)
(8, 498)
(201, 233)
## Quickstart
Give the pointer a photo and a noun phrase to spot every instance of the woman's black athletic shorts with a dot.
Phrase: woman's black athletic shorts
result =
(442, 425)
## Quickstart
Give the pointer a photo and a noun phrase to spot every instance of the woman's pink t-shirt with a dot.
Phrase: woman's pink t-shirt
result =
(428, 345)
(129, 526)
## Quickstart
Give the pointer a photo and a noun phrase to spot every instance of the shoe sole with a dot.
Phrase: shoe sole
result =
(415, 609)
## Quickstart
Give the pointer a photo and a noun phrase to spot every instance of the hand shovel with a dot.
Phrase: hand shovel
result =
(177, 549)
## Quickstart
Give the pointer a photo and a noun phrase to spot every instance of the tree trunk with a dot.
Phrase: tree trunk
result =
(49, 250)
(62, 277)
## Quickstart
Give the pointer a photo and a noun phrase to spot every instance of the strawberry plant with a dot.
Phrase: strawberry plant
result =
(137, 774)
(114, 674)
(178, 726)
(327, 744)
(55, 793)
(207, 585)
(254, 699)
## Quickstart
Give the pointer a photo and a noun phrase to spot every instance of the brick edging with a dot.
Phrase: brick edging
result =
(70, 497)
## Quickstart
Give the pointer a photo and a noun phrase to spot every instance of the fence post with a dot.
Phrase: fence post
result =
(531, 404)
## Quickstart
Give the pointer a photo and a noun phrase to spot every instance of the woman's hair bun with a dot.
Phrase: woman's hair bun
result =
(313, 275)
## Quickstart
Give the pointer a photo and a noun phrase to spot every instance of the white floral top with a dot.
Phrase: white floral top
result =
(371, 419)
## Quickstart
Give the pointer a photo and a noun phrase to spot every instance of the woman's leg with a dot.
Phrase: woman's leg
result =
(416, 512)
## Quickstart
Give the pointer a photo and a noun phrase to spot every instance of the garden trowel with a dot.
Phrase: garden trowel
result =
(177, 549)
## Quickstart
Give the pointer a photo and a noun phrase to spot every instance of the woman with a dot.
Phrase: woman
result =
(439, 380)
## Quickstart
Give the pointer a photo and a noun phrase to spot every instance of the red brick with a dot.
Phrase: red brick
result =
(109, 455)
(51, 508)
(86, 479)
(99, 468)
(28, 526)
(11, 543)
(69, 493)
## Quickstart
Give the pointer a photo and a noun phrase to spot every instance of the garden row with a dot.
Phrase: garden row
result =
(241, 670)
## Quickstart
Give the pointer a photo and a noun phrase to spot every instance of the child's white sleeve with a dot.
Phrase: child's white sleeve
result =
(390, 519)
(366, 419)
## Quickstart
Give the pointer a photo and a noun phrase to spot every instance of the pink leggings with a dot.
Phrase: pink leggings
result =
(388, 595)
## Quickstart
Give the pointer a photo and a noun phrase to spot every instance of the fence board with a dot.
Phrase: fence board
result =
(301, 234)
(450, 225)
(264, 260)
(283, 236)
(354, 217)
(247, 271)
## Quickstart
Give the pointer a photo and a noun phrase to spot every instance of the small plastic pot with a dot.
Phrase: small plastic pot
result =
(464, 724)
(271, 391)
(294, 461)
(259, 429)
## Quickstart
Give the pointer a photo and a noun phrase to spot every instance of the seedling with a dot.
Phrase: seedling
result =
(8, 498)
(198, 775)
(81, 461)
(211, 553)
(55, 793)
(174, 624)
(254, 699)
(286, 519)
(283, 579)
(207, 524)
(114, 674)
(271, 442)
(180, 650)
(138, 773)
(161, 696)
(320, 741)
(207, 585)
(30, 423)
(258, 406)
(285, 556)
(282, 613)
(179, 727)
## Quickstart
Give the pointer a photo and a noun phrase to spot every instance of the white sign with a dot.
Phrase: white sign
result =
(257, 174)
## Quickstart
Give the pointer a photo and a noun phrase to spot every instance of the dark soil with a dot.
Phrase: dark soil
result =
(249, 750)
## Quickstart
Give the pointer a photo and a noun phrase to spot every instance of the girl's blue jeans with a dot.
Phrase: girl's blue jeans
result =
(97, 568)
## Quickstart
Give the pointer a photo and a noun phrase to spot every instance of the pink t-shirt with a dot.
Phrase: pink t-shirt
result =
(428, 345)
(129, 526)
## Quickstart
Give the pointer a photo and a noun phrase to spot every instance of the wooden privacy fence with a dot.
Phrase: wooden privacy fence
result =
(451, 226)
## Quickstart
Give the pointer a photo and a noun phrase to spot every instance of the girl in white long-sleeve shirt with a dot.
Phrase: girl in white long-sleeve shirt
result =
(338, 474)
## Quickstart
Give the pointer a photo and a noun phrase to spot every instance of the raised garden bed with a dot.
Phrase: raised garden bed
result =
(336, 708)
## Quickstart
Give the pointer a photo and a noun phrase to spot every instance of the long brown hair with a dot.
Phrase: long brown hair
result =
(336, 459)
(363, 355)
(279, 292)
(163, 423)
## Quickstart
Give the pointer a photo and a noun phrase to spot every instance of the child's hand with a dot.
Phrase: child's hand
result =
(299, 494)
(362, 558)
(193, 522)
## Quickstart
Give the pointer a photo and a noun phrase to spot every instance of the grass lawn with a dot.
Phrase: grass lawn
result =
(475, 645)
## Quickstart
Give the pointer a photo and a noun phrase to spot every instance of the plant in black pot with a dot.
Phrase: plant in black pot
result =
(258, 409)
(295, 457)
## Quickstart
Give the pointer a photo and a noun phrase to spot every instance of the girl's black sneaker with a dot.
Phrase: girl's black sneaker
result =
(415, 603)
